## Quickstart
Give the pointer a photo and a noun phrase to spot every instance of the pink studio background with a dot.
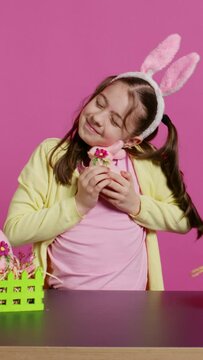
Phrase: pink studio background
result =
(54, 53)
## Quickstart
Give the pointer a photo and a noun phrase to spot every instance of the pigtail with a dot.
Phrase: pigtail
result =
(167, 158)
(170, 166)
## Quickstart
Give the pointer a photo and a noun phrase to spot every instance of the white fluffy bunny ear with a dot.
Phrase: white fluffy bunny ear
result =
(178, 73)
(162, 55)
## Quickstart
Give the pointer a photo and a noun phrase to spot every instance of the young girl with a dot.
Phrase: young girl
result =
(93, 227)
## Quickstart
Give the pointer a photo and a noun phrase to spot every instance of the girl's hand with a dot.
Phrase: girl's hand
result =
(121, 193)
(197, 271)
(92, 180)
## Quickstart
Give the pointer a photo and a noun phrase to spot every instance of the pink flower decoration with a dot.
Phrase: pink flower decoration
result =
(4, 248)
(101, 153)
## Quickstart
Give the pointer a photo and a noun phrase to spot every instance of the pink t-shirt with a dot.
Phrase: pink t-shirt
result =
(105, 251)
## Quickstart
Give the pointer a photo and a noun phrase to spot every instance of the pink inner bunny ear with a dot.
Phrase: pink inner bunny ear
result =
(178, 73)
(162, 55)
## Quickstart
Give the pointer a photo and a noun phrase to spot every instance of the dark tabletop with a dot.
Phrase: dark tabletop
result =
(110, 319)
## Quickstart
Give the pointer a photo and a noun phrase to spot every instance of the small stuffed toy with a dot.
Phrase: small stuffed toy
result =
(105, 155)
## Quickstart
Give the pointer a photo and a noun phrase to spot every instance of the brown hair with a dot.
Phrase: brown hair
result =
(166, 156)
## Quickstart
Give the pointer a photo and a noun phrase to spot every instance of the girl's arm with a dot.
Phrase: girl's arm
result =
(30, 219)
(159, 210)
(161, 215)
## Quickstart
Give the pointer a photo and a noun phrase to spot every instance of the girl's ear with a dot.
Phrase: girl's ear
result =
(132, 142)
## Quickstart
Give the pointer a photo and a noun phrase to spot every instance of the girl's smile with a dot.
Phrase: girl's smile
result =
(89, 126)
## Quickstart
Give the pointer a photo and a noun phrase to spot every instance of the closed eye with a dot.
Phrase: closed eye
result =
(114, 123)
(101, 106)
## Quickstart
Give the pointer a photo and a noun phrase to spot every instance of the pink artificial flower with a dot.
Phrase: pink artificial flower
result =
(4, 248)
(101, 153)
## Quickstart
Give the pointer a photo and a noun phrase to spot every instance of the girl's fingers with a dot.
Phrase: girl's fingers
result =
(107, 193)
(197, 271)
(118, 185)
(93, 171)
(98, 178)
(113, 188)
(118, 178)
(126, 175)
(102, 184)
(195, 274)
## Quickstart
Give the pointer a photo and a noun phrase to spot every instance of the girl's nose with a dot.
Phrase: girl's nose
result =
(99, 118)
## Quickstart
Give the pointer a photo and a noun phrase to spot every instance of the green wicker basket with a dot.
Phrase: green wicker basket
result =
(25, 294)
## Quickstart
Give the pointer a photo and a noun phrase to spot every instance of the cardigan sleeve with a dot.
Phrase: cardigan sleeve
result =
(159, 209)
(28, 219)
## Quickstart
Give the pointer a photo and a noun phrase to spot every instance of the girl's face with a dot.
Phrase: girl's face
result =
(101, 121)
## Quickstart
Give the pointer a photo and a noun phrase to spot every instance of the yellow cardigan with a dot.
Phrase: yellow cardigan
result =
(41, 209)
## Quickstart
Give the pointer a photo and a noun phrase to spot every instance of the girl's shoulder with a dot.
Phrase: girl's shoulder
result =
(148, 165)
(53, 149)
(49, 144)
(44, 149)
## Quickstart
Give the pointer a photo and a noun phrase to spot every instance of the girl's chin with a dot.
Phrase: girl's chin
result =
(91, 139)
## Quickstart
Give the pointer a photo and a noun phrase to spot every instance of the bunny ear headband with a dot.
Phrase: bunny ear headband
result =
(174, 78)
